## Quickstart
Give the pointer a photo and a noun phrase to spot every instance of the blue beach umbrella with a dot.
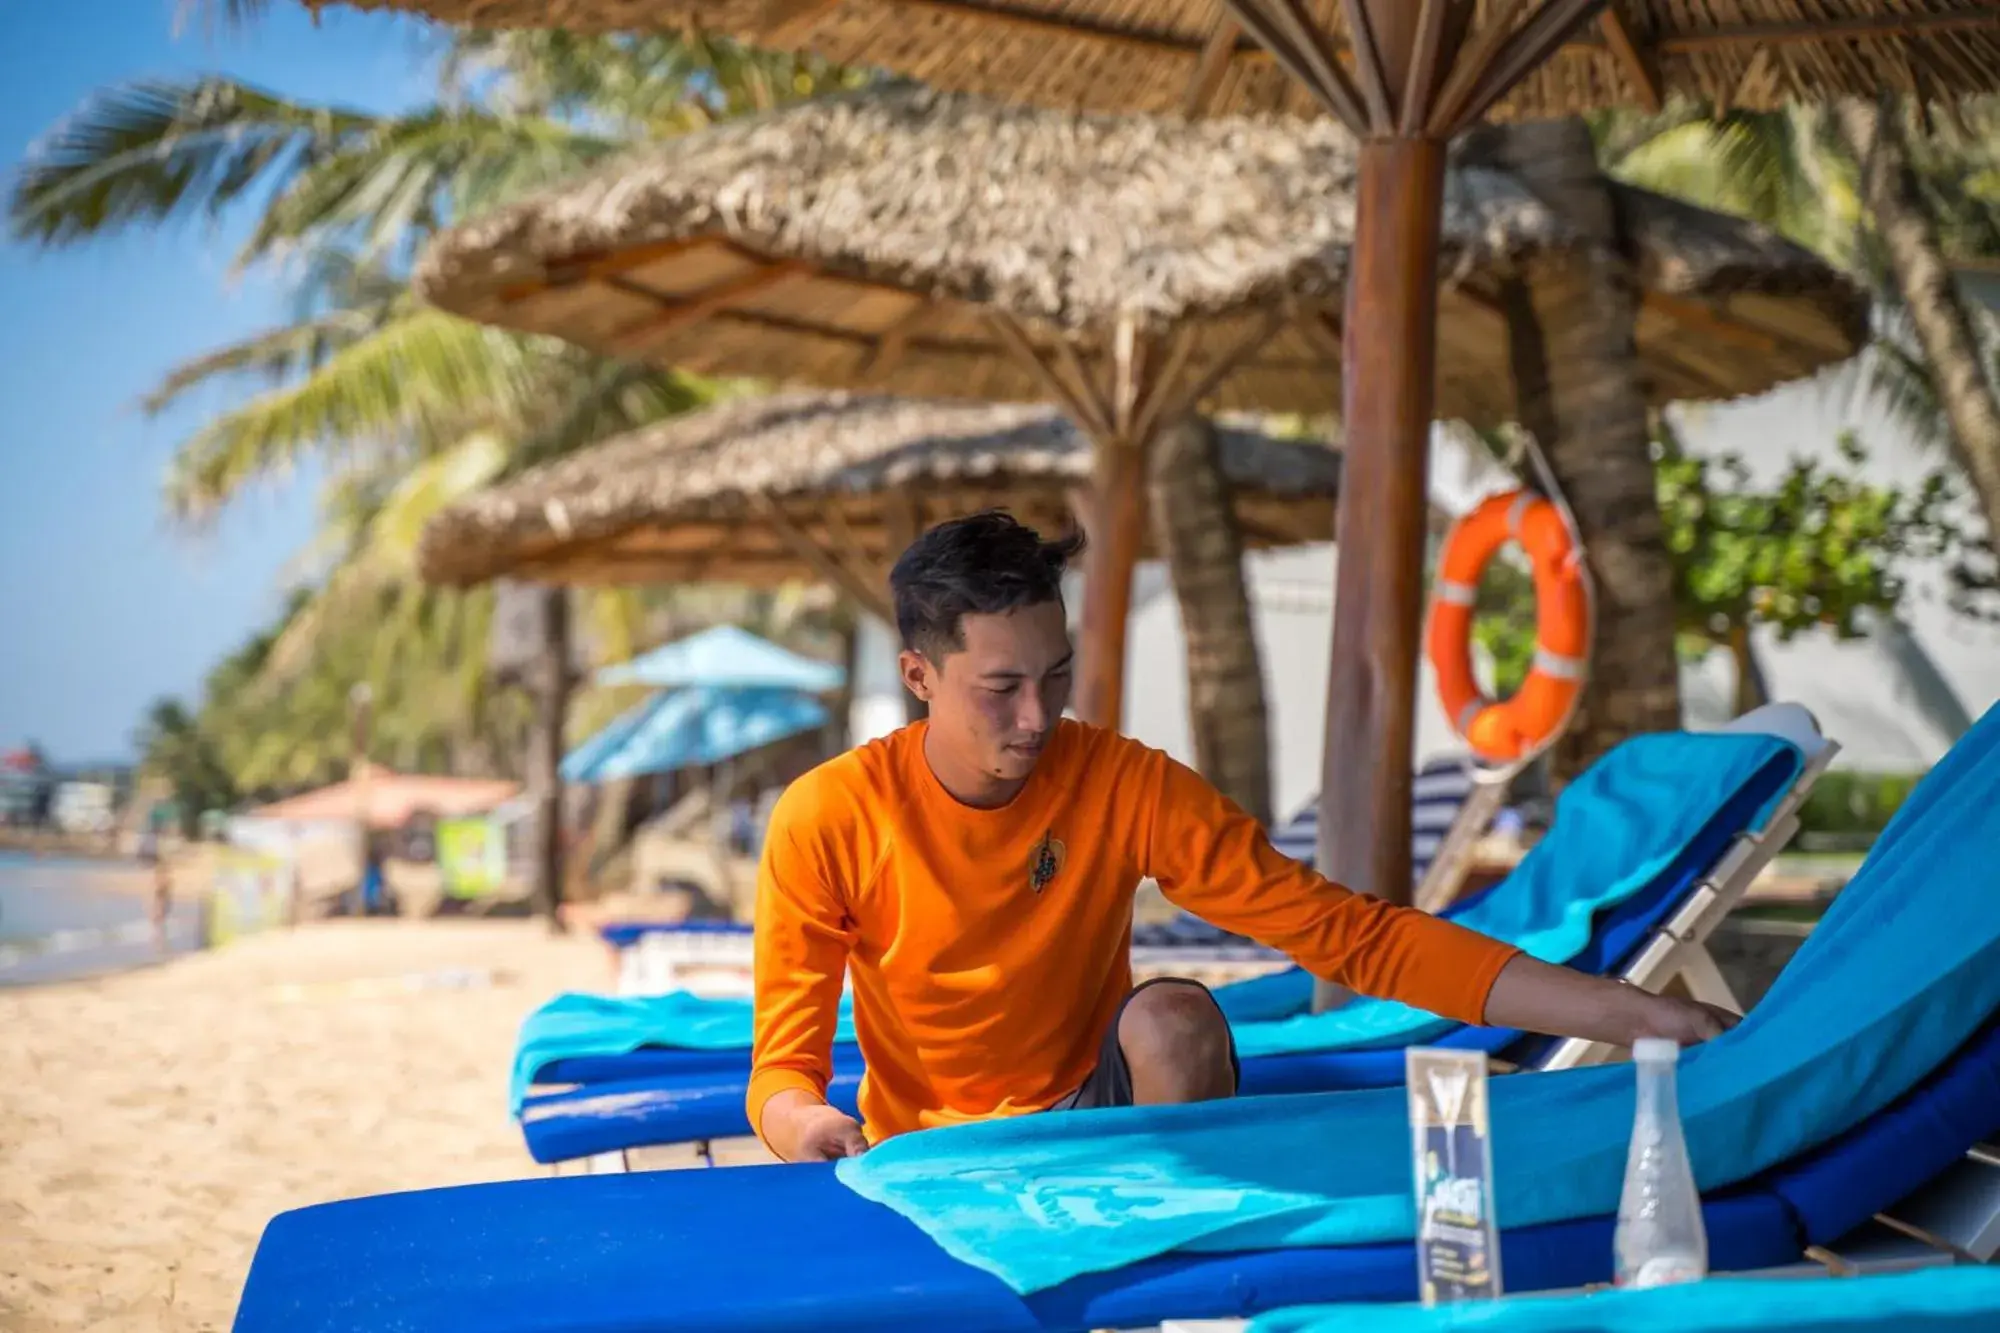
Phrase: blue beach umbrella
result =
(725, 656)
(701, 725)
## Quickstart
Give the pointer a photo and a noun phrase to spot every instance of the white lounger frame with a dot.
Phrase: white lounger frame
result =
(1678, 950)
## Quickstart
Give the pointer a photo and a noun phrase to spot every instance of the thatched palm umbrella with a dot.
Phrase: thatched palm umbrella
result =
(1524, 60)
(824, 487)
(847, 243)
(1406, 75)
(832, 487)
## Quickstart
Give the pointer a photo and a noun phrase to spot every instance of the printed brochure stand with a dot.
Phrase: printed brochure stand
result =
(1458, 1245)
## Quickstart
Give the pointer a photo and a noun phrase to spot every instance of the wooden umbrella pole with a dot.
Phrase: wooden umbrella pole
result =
(1116, 528)
(1388, 369)
(1422, 70)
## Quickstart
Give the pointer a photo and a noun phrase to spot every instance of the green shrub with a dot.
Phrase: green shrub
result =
(1850, 804)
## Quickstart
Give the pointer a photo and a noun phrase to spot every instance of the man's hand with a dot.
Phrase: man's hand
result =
(1562, 1002)
(1686, 1022)
(801, 1128)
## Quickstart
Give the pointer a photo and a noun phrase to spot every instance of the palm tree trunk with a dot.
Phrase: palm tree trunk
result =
(545, 748)
(1751, 689)
(1572, 323)
(1194, 528)
(1924, 280)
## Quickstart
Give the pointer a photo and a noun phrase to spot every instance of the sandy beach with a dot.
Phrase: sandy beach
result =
(151, 1123)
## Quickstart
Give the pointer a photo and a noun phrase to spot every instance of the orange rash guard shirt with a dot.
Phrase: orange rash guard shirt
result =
(982, 986)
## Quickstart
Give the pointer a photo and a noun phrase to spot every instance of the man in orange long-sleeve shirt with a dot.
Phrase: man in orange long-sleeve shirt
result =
(973, 874)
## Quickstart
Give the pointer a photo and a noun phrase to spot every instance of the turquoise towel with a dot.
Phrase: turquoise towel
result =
(1936, 1300)
(1616, 829)
(573, 1025)
(1902, 970)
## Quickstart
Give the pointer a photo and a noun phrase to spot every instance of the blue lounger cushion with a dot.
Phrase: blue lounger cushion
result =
(591, 1027)
(699, 1249)
(612, 1117)
(1902, 969)
(1933, 1300)
(625, 934)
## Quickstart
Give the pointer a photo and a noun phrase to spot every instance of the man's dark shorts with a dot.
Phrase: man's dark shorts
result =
(1110, 1084)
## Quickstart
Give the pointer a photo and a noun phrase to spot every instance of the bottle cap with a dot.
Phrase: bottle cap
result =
(1655, 1050)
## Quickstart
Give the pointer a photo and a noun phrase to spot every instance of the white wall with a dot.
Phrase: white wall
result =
(1291, 594)
(877, 707)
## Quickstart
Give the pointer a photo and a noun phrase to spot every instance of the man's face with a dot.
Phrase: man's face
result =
(994, 704)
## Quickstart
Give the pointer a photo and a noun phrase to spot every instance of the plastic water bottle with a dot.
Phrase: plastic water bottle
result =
(1660, 1237)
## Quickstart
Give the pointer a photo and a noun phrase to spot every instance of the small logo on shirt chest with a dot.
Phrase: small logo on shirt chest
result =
(1045, 862)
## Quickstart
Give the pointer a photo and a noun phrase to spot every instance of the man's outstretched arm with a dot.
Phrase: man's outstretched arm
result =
(1214, 860)
(802, 941)
(1533, 996)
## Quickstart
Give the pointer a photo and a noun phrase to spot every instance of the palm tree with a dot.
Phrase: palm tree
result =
(1855, 184)
(1195, 530)
(365, 376)
(1572, 325)
(1923, 278)
(174, 748)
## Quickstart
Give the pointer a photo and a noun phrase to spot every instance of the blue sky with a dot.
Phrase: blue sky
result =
(103, 604)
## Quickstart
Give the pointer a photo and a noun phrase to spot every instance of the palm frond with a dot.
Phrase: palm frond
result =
(147, 153)
(274, 355)
(215, 14)
(597, 398)
(334, 277)
(376, 584)
(393, 186)
(1779, 168)
(422, 378)
(1899, 381)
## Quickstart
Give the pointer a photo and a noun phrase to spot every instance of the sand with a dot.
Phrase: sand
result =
(152, 1123)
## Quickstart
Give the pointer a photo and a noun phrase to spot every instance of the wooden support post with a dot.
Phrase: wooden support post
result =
(1116, 527)
(1423, 71)
(545, 751)
(1364, 814)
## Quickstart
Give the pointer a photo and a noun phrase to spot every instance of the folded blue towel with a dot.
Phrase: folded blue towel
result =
(1902, 970)
(1935, 1300)
(1616, 828)
(573, 1025)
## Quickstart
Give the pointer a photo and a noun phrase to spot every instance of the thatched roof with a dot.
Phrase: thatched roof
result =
(711, 496)
(1141, 55)
(860, 242)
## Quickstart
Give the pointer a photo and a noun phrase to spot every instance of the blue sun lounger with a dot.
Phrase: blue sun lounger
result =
(698, 1249)
(1934, 1300)
(645, 1097)
(1870, 1071)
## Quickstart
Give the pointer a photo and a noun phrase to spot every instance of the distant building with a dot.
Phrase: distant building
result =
(84, 807)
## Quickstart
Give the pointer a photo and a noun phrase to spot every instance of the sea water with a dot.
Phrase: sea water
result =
(67, 917)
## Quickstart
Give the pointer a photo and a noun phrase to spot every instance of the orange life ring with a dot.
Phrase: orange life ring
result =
(1509, 729)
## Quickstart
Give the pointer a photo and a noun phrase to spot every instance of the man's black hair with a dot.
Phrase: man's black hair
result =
(985, 564)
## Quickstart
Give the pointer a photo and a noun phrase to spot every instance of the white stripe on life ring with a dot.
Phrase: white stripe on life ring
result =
(1473, 707)
(1457, 594)
(1557, 665)
(1518, 511)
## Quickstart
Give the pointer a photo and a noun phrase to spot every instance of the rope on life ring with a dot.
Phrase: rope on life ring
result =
(1516, 728)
